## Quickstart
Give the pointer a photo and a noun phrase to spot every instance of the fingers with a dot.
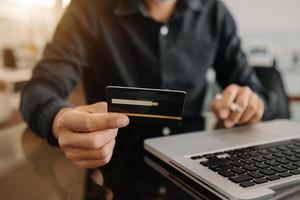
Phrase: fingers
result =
(250, 106)
(250, 111)
(92, 164)
(87, 134)
(90, 159)
(103, 153)
(221, 107)
(258, 115)
(79, 121)
(242, 100)
(93, 140)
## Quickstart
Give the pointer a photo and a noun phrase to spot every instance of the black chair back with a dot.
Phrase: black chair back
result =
(271, 79)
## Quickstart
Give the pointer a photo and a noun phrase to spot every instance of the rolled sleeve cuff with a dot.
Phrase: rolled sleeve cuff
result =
(46, 118)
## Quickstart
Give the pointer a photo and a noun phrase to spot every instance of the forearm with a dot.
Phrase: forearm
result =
(59, 70)
(39, 106)
(45, 94)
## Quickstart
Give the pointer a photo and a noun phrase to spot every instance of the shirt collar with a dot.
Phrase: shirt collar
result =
(130, 7)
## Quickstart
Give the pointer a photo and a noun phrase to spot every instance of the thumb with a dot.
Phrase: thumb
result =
(100, 107)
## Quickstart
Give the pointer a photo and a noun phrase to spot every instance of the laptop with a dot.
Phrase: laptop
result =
(248, 162)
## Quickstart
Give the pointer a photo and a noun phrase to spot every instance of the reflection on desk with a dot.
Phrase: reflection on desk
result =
(30, 169)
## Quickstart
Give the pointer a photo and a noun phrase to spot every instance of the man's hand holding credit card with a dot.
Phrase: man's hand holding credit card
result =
(147, 106)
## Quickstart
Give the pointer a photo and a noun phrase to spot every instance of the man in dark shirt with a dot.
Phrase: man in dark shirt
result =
(141, 43)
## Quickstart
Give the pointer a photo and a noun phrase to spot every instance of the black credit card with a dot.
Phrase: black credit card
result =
(147, 106)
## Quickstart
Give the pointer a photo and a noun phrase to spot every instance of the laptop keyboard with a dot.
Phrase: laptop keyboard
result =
(255, 165)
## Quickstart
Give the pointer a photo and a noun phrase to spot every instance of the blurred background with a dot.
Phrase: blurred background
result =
(270, 31)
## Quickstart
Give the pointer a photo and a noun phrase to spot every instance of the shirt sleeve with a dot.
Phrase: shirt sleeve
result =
(231, 64)
(59, 70)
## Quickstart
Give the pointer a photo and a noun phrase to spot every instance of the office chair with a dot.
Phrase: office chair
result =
(271, 79)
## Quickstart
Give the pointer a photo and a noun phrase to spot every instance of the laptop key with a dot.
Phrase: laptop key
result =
(233, 158)
(290, 146)
(256, 174)
(196, 157)
(297, 163)
(209, 163)
(262, 165)
(209, 156)
(267, 171)
(259, 159)
(296, 141)
(214, 168)
(293, 158)
(279, 155)
(279, 169)
(226, 167)
(285, 174)
(260, 180)
(297, 144)
(240, 178)
(295, 171)
(290, 166)
(226, 173)
(238, 170)
(254, 153)
(274, 150)
(283, 160)
(248, 161)
(247, 184)
(273, 177)
(296, 150)
(250, 168)
(289, 153)
(269, 157)
(204, 163)
(264, 151)
(237, 163)
(283, 148)
(272, 162)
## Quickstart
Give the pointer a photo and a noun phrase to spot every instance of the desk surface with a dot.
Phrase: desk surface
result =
(30, 169)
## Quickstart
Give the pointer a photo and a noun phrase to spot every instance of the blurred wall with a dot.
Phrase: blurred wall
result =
(274, 24)
(26, 25)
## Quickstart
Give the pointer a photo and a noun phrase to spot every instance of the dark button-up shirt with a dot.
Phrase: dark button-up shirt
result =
(115, 42)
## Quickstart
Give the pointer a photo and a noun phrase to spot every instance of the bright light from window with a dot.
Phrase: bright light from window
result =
(41, 3)
(66, 3)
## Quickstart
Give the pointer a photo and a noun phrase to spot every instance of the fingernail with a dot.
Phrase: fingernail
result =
(122, 122)
(223, 113)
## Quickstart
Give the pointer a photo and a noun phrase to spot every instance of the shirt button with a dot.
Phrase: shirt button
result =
(164, 30)
(166, 131)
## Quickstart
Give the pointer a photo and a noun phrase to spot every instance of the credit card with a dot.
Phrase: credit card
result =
(147, 106)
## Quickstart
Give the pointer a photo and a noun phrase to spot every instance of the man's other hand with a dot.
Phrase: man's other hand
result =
(86, 134)
(251, 107)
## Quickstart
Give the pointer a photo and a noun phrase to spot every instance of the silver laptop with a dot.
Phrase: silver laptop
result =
(249, 162)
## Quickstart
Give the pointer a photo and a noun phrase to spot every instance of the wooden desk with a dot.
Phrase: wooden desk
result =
(30, 169)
